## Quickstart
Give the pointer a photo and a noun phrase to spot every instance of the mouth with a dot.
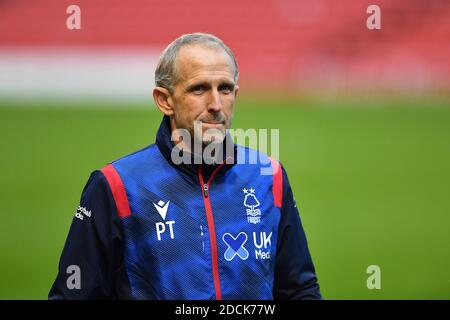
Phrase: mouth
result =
(216, 125)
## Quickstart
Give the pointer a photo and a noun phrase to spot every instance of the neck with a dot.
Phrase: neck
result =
(196, 151)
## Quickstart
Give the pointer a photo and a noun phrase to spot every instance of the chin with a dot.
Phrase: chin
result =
(216, 138)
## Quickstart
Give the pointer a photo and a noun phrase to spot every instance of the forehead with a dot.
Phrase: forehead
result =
(195, 60)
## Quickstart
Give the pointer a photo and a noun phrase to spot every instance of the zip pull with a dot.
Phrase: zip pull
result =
(205, 190)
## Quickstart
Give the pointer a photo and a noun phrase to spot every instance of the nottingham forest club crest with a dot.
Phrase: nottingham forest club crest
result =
(251, 202)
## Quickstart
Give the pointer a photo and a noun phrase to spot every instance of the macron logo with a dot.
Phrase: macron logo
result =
(162, 207)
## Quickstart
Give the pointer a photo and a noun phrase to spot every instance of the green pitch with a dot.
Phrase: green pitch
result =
(371, 178)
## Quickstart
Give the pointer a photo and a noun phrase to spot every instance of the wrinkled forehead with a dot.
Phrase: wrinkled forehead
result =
(193, 59)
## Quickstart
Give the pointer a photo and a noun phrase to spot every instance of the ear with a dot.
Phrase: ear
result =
(163, 100)
(236, 89)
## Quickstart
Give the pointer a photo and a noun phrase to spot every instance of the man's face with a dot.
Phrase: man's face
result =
(204, 92)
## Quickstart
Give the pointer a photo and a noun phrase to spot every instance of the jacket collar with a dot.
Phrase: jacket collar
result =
(166, 145)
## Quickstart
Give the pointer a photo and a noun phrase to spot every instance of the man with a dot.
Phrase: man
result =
(167, 222)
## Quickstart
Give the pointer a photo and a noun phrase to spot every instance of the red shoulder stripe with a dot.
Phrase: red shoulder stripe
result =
(118, 190)
(277, 183)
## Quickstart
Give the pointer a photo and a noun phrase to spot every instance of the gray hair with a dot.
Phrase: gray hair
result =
(165, 73)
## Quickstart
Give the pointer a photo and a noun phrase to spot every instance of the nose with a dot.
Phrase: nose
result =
(215, 103)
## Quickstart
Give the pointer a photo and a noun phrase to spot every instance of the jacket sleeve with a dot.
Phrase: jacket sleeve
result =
(295, 276)
(91, 256)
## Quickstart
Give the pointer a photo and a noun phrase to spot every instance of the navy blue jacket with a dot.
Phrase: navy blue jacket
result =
(149, 229)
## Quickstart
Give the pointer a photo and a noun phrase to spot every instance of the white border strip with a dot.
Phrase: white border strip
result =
(108, 75)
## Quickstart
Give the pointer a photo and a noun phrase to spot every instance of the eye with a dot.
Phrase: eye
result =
(198, 89)
(226, 88)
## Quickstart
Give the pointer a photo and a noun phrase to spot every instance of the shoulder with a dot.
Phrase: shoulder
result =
(148, 158)
(139, 155)
(246, 155)
(96, 184)
(102, 179)
(267, 165)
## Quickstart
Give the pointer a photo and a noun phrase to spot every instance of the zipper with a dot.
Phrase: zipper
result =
(212, 230)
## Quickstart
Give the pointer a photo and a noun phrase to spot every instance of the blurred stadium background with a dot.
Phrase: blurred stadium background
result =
(364, 123)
